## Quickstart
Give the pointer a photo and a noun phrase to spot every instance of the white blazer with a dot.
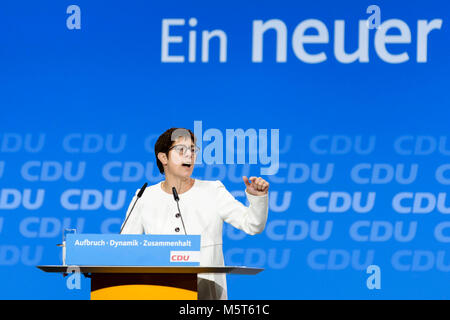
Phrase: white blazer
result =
(204, 207)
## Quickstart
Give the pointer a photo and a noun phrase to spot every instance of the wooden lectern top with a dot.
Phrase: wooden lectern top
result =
(151, 269)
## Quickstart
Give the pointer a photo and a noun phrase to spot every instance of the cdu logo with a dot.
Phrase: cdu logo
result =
(184, 256)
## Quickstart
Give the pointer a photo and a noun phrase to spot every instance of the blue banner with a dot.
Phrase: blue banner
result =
(342, 106)
(132, 250)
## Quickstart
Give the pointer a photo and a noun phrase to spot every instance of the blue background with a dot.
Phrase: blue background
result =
(108, 78)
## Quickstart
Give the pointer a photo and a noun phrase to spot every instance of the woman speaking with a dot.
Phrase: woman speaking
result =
(204, 206)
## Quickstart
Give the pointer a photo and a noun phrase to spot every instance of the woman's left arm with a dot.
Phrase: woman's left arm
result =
(252, 219)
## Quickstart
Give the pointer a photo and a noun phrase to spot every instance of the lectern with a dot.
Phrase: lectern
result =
(150, 267)
(146, 282)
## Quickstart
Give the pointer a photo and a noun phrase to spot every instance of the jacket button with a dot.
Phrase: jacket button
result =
(177, 229)
(177, 215)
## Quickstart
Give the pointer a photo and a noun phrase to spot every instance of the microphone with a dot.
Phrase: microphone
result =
(175, 196)
(140, 193)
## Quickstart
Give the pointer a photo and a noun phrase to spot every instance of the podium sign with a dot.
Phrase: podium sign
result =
(132, 250)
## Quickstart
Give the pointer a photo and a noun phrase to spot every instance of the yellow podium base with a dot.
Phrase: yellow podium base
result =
(119, 286)
(143, 292)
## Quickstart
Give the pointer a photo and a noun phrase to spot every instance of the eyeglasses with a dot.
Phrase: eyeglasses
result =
(182, 149)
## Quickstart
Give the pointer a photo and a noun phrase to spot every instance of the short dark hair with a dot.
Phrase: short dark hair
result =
(166, 140)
